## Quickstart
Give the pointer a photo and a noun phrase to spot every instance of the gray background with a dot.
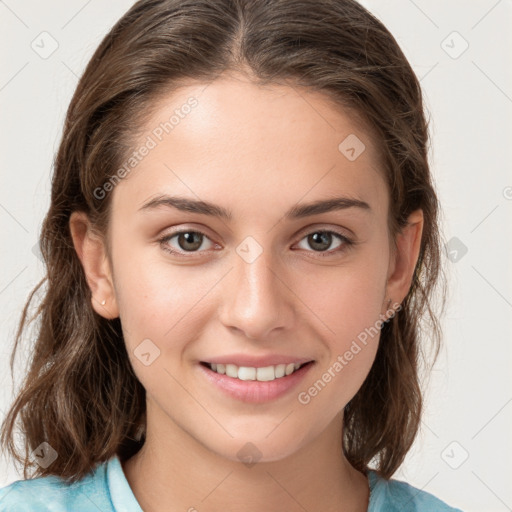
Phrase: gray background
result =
(463, 454)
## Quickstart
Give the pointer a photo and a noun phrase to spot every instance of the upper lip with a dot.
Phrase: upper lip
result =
(257, 361)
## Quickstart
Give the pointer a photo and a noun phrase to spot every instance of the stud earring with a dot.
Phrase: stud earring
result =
(103, 302)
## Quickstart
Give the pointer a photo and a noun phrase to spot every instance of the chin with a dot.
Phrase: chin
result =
(258, 448)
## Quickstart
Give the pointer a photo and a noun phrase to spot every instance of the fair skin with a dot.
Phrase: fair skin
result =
(257, 151)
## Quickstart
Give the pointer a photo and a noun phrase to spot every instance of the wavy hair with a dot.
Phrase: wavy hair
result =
(80, 393)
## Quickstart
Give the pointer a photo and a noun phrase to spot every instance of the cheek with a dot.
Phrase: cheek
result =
(351, 349)
(346, 299)
(160, 304)
(159, 301)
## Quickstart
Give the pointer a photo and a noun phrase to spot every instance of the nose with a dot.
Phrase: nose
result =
(256, 298)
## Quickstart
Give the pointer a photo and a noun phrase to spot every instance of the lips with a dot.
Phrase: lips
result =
(259, 383)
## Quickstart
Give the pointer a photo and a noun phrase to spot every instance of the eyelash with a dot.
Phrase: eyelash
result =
(346, 243)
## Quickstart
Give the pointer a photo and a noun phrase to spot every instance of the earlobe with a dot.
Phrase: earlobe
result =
(403, 262)
(90, 249)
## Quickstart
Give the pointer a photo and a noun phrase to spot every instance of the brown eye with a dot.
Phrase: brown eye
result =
(320, 241)
(190, 240)
(187, 242)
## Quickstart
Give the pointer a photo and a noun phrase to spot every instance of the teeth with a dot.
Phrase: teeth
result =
(231, 370)
(263, 374)
(280, 371)
(245, 373)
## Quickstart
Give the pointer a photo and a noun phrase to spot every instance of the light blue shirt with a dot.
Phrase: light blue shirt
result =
(106, 490)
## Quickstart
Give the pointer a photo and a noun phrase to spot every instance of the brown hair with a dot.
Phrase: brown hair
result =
(80, 394)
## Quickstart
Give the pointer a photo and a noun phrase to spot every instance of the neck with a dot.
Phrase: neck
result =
(173, 471)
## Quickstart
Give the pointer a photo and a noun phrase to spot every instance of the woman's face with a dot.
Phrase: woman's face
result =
(258, 285)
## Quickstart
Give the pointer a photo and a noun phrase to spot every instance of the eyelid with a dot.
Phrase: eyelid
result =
(315, 228)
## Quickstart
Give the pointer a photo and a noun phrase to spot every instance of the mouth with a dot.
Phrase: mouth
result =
(251, 373)
(254, 385)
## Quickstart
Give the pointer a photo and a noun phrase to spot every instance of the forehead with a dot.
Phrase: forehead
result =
(232, 139)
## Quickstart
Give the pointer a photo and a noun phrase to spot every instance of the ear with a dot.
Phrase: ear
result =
(404, 259)
(91, 251)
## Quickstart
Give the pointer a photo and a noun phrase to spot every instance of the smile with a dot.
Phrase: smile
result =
(254, 384)
(262, 374)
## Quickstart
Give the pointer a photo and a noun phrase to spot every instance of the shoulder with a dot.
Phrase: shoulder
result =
(55, 494)
(394, 495)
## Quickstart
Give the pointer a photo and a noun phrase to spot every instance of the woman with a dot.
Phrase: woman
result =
(241, 243)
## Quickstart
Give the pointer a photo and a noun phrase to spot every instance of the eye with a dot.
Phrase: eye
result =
(320, 240)
(187, 241)
(190, 241)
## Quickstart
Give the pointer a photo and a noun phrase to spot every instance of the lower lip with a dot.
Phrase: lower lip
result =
(254, 391)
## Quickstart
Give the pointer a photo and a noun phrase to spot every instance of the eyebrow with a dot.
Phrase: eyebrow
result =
(296, 212)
